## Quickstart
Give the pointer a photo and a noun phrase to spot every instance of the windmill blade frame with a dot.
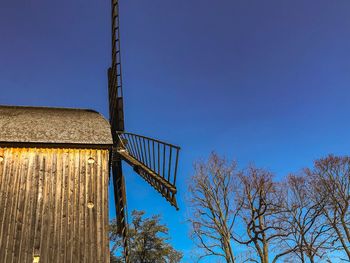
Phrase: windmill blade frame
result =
(115, 79)
(154, 160)
(120, 203)
(116, 119)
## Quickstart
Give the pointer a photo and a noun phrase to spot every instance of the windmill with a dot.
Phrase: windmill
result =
(155, 161)
(55, 167)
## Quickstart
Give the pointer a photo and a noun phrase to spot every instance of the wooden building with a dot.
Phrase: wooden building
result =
(54, 172)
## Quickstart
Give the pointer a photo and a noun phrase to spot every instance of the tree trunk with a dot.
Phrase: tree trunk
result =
(229, 253)
(266, 253)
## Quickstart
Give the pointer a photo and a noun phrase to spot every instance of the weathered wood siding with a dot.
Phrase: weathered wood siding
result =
(46, 197)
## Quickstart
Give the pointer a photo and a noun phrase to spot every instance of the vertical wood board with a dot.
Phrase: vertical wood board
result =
(54, 205)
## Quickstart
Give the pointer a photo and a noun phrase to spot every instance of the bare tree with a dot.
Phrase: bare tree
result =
(302, 219)
(310, 233)
(258, 204)
(331, 185)
(211, 206)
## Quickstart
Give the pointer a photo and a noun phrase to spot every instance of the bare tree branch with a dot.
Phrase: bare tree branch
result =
(211, 212)
(259, 212)
(331, 186)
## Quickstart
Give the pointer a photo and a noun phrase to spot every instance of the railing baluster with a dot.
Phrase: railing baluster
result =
(145, 153)
(132, 146)
(138, 148)
(158, 157)
(140, 143)
(127, 143)
(169, 167)
(176, 164)
(149, 155)
(154, 159)
(163, 160)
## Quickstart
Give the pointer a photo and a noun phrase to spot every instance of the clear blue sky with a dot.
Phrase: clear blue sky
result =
(259, 81)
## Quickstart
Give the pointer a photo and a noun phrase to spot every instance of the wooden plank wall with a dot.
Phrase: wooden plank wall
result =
(46, 199)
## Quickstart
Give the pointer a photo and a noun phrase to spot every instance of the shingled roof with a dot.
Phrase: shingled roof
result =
(53, 126)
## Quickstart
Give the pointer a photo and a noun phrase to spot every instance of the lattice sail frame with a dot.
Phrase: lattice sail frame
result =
(116, 118)
(155, 161)
(115, 80)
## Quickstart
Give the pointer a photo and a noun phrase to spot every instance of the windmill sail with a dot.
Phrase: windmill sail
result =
(120, 202)
(155, 161)
(116, 118)
(115, 89)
